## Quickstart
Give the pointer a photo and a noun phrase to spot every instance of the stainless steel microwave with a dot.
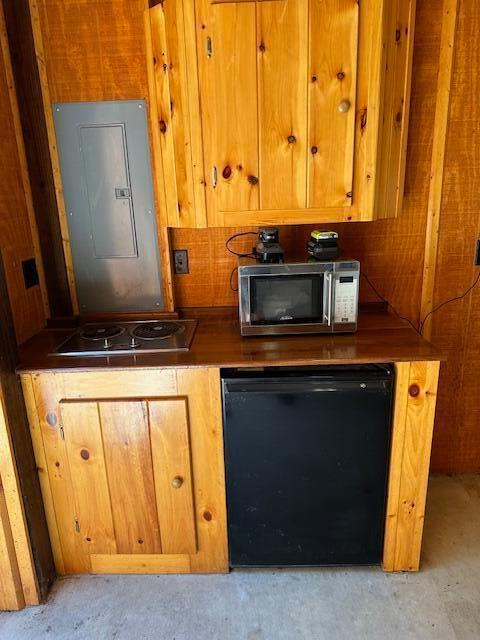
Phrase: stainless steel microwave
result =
(298, 297)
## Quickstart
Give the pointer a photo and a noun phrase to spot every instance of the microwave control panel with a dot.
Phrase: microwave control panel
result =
(346, 297)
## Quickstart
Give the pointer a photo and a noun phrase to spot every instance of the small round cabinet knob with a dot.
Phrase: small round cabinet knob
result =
(177, 482)
(344, 106)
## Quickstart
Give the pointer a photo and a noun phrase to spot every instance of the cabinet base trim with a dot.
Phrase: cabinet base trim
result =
(140, 563)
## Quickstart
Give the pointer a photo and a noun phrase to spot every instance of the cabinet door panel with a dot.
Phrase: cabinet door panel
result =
(83, 443)
(173, 476)
(233, 64)
(282, 88)
(132, 484)
(72, 551)
(332, 85)
(171, 49)
(130, 472)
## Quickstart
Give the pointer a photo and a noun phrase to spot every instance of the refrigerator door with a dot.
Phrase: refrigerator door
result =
(306, 466)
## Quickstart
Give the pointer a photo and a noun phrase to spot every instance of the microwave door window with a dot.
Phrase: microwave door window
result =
(289, 299)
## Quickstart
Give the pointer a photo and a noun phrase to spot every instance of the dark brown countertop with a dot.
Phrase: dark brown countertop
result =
(381, 338)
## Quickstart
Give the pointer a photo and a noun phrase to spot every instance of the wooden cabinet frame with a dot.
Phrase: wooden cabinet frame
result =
(201, 388)
(385, 53)
(414, 415)
(414, 411)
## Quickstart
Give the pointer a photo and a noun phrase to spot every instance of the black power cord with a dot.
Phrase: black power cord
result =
(238, 235)
(388, 303)
(440, 306)
(239, 255)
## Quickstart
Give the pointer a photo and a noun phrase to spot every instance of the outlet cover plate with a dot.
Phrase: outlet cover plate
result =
(180, 261)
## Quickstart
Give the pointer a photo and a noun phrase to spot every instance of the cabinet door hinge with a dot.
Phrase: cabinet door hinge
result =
(214, 177)
(62, 432)
(77, 525)
(209, 47)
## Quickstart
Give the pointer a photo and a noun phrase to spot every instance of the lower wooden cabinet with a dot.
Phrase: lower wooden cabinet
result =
(131, 467)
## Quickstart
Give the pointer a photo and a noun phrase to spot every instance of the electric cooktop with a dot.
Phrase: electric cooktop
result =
(125, 338)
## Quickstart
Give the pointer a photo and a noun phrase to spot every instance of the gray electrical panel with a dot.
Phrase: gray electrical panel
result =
(105, 165)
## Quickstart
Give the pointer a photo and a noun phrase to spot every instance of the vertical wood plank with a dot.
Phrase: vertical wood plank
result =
(404, 543)
(191, 77)
(157, 166)
(332, 80)
(370, 103)
(233, 65)
(49, 391)
(52, 142)
(157, 63)
(402, 378)
(173, 51)
(176, 68)
(202, 388)
(11, 592)
(282, 89)
(442, 111)
(42, 468)
(128, 459)
(22, 159)
(171, 463)
(83, 441)
(400, 27)
(16, 514)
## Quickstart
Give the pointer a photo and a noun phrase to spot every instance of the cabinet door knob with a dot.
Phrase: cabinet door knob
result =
(344, 106)
(177, 482)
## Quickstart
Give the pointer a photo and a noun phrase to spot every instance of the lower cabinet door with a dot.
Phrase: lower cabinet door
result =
(121, 480)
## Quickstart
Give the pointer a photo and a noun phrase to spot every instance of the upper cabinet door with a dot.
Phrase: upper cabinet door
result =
(278, 91)
(301, 107)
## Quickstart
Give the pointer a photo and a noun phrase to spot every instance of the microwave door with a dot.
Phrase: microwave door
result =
(290, 299)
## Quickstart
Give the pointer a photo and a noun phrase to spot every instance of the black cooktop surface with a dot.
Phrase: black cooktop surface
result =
(148, 336)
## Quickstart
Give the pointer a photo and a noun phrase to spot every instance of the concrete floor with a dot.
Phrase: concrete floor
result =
(441, 602)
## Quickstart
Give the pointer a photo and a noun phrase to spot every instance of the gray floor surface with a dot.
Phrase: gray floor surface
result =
(441, 602)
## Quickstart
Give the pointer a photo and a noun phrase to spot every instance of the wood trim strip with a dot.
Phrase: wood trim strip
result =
(22, 157)
(376, 61)
(140, 563)
(52, 143)
(406, 109)
(11, 593)
(410, 463)
(157, 165)
(41, 461)
(442, 111)
(16, 514)
(402, 377)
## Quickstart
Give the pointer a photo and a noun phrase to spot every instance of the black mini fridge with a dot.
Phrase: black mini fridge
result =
(306, 454)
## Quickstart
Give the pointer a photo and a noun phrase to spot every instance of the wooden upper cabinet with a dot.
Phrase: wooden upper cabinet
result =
(281, 111)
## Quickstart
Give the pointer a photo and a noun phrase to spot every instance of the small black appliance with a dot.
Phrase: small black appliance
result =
(268, 249)
(323, 245)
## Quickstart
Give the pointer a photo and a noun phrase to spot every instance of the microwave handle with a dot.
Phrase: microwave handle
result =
(329, 283)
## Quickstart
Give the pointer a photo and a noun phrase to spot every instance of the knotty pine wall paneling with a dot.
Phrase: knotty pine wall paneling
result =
(16, 237)
(456, 327)
(27, 81)
(94, 50)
